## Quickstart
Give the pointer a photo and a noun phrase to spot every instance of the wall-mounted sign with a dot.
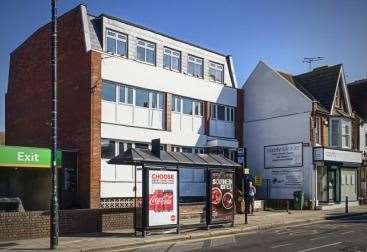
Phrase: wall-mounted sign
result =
(283, 155)
(241, 156)
(222, 199)
(163, 197)
(285, 178)
(258, 181)
(326, 154)
(14, 156)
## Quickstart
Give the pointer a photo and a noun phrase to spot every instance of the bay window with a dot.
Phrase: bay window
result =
(340, 133)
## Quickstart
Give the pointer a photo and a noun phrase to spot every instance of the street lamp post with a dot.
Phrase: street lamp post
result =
(54, 220)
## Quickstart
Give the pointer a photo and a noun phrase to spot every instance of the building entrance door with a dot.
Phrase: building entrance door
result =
(332, 185)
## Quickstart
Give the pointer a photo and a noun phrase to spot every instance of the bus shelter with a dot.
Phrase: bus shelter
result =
(160, 186)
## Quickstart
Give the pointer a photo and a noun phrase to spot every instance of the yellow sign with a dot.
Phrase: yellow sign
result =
(258, 181)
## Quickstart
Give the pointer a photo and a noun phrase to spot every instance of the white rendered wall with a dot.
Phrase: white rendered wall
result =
(221, 128)
(276, 113)
(363, 132)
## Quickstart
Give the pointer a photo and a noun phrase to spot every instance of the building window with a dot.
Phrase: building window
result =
(214, 112)
(337, 98)
(107, 148)
(346, 135)
(125, 94)
(187, 106)
(142, 146)
(216, 72)
(157, 100)
(335, 124)
(198, 108)
(222, 113)
(142, 98)
(176, 104)
(229, 114)
(195, 66)
(116, 43)
(318, 130)
(171, 59)
(186, 149)
(146, 51)
(108, 92)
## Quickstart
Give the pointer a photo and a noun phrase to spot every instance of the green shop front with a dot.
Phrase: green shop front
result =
(25, 174)
(336, 174)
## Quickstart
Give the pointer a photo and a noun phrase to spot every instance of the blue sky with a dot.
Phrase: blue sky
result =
(279, 32)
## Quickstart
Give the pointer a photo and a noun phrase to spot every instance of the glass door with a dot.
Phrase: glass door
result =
(332, 185)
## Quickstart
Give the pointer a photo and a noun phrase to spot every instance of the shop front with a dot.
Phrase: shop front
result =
(363, 182)
(336, 174)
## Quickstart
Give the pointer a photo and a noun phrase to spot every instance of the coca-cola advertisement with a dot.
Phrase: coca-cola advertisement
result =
(222, 199)
(162, 197)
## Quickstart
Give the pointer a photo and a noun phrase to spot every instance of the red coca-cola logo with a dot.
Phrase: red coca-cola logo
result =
(161, 201)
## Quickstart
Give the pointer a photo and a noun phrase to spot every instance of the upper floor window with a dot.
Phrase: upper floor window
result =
(125, 94)
(318, 130)
(108, 92)
(337, 98)
(187, 106)
(149, 99)
(216, 72)
(176, 103)
(116, 43)
(195, 66)
(222, 113)
(198, 108)
(146, 51)
(171, 59)
(340, 133)
(107, 148)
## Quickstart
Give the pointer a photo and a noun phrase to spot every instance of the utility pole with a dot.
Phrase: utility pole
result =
(310, 60)
(54, 216)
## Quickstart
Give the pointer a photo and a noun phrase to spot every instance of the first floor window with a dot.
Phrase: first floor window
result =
(187, 106)
(335, 124)
(126, 94)
(346, 136)
(176, 103)
(142, 98)
(107, 148)
(171, 59)
(108, 92)
(221, 112)
(198, 108)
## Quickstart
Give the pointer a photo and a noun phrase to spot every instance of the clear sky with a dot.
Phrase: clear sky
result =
(280, 32)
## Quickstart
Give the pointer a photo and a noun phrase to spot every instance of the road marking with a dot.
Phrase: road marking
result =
(348, 232)
(323, 246)
(281, 245)
(318, 238)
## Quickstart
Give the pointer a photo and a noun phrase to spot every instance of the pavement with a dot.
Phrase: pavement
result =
(122, 240)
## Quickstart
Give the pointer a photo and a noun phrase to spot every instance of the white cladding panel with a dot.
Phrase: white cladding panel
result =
(161, 41)
(222, 128)
(129, 72)
(269, 95)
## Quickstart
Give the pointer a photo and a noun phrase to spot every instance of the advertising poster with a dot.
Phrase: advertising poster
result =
(283, 156)
(222, 199)
(284, 182)
(162, 205)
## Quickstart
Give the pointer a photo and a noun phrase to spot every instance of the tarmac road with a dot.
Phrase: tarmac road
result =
(346, 235)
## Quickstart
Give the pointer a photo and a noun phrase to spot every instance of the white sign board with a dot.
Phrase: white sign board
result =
(162, 198)
(325, 154)
(283, 156)
(284, 182)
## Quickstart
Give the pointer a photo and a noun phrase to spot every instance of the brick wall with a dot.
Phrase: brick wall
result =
(28, 225)
(28, 107)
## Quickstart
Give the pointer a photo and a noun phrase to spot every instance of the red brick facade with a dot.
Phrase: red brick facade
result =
(28, 106)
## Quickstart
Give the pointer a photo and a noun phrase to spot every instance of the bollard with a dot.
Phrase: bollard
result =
(346, 204)
(287, 206)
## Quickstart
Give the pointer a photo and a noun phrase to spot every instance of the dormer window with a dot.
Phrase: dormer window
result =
(116, 43)
(216, 72)
(195, 66)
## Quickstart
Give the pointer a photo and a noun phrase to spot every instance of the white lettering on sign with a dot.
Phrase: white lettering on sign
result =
(283, 155)
(27, 157)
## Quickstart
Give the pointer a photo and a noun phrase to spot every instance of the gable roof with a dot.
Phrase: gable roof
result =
(320, 84)
(358, 96)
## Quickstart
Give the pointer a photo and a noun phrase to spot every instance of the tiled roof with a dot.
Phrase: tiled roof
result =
(358, 97)
(320, 84)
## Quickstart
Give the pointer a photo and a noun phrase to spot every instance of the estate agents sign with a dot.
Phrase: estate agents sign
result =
(14, 156)
(283, 155)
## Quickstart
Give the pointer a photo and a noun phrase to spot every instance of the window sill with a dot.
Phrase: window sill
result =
(146, 63)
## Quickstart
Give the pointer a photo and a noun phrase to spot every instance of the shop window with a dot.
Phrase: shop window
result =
(107, 148)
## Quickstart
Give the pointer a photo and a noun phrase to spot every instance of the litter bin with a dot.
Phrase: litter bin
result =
(299, 198)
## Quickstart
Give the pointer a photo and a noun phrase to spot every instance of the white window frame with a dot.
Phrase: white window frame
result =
(118, 36)
(338, 133)
(229, 113)
(126, 90)
(196, 61)
(177, 103)
(172, 54)
(200, 114)
(216, 67)
(146, 45)
(346, 134)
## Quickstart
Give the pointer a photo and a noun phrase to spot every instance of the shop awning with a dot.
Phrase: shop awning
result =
(140, 156)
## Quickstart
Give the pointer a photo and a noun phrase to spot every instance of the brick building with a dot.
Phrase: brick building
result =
(119, 86)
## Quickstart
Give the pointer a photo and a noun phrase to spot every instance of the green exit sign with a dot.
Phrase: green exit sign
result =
(14, 156)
